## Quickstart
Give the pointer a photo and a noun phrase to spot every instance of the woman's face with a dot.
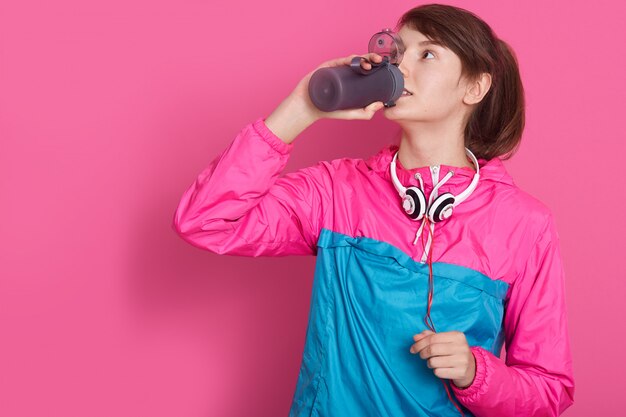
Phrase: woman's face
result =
(432, 74)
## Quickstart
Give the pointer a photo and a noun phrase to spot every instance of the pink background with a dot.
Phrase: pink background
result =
(108, 112)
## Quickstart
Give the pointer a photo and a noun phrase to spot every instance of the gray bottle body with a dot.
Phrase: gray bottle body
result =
(347, 87)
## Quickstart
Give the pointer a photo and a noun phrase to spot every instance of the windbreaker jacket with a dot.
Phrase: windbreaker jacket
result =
(497, 277)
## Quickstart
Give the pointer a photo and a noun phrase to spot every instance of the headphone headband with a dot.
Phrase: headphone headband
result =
(470, 189)
(455, 201)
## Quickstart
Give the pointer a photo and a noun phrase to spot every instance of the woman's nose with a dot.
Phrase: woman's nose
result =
(403, 69)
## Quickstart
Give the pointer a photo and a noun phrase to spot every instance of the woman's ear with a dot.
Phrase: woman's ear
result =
(477, 89)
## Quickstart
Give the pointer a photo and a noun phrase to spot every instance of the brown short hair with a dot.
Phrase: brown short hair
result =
(495, 126)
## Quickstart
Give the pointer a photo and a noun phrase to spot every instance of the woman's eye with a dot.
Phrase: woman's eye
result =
(428, 52)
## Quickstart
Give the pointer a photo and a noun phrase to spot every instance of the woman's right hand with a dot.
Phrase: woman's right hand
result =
(302, 91)
(297, 111)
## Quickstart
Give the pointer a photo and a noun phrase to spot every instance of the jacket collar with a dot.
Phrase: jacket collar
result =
(490, 170)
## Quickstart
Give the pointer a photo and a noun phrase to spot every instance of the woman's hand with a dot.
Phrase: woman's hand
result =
(302, 91)
(297, 111)
(448, 354)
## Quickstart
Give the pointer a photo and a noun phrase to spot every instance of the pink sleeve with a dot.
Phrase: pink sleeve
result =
(537, 379)
(239, 205)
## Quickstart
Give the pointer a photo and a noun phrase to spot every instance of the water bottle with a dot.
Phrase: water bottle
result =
(351, 86)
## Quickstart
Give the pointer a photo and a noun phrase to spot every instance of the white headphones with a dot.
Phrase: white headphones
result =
(414, 200)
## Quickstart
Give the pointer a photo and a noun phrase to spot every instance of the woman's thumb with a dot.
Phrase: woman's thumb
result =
(374, 107)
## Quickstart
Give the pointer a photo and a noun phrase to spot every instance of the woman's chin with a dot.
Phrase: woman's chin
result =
(393, 112)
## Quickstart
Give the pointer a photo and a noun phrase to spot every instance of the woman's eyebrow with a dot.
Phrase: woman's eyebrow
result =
(430, 42)
(426, 42)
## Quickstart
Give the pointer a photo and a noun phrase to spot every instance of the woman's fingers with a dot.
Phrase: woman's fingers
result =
(367, 59)
(373, 57)
(366, 113)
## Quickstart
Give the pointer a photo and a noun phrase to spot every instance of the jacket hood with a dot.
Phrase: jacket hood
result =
(490, 170)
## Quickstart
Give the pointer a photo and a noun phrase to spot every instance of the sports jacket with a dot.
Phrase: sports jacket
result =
(497, 276)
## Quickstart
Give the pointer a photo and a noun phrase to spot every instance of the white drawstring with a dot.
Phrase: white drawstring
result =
(419, 231)
(435, 191)
(419, 178)
(431, 198)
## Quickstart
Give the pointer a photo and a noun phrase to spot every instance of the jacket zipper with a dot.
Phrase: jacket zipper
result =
(434, 174)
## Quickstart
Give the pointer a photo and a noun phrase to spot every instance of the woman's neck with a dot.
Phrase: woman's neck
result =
(432, 148)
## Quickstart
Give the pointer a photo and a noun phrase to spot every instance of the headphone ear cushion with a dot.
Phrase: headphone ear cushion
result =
(441, 208)
(419, 203)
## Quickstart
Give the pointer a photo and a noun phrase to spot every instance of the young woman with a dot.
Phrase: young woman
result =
(429, 257)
